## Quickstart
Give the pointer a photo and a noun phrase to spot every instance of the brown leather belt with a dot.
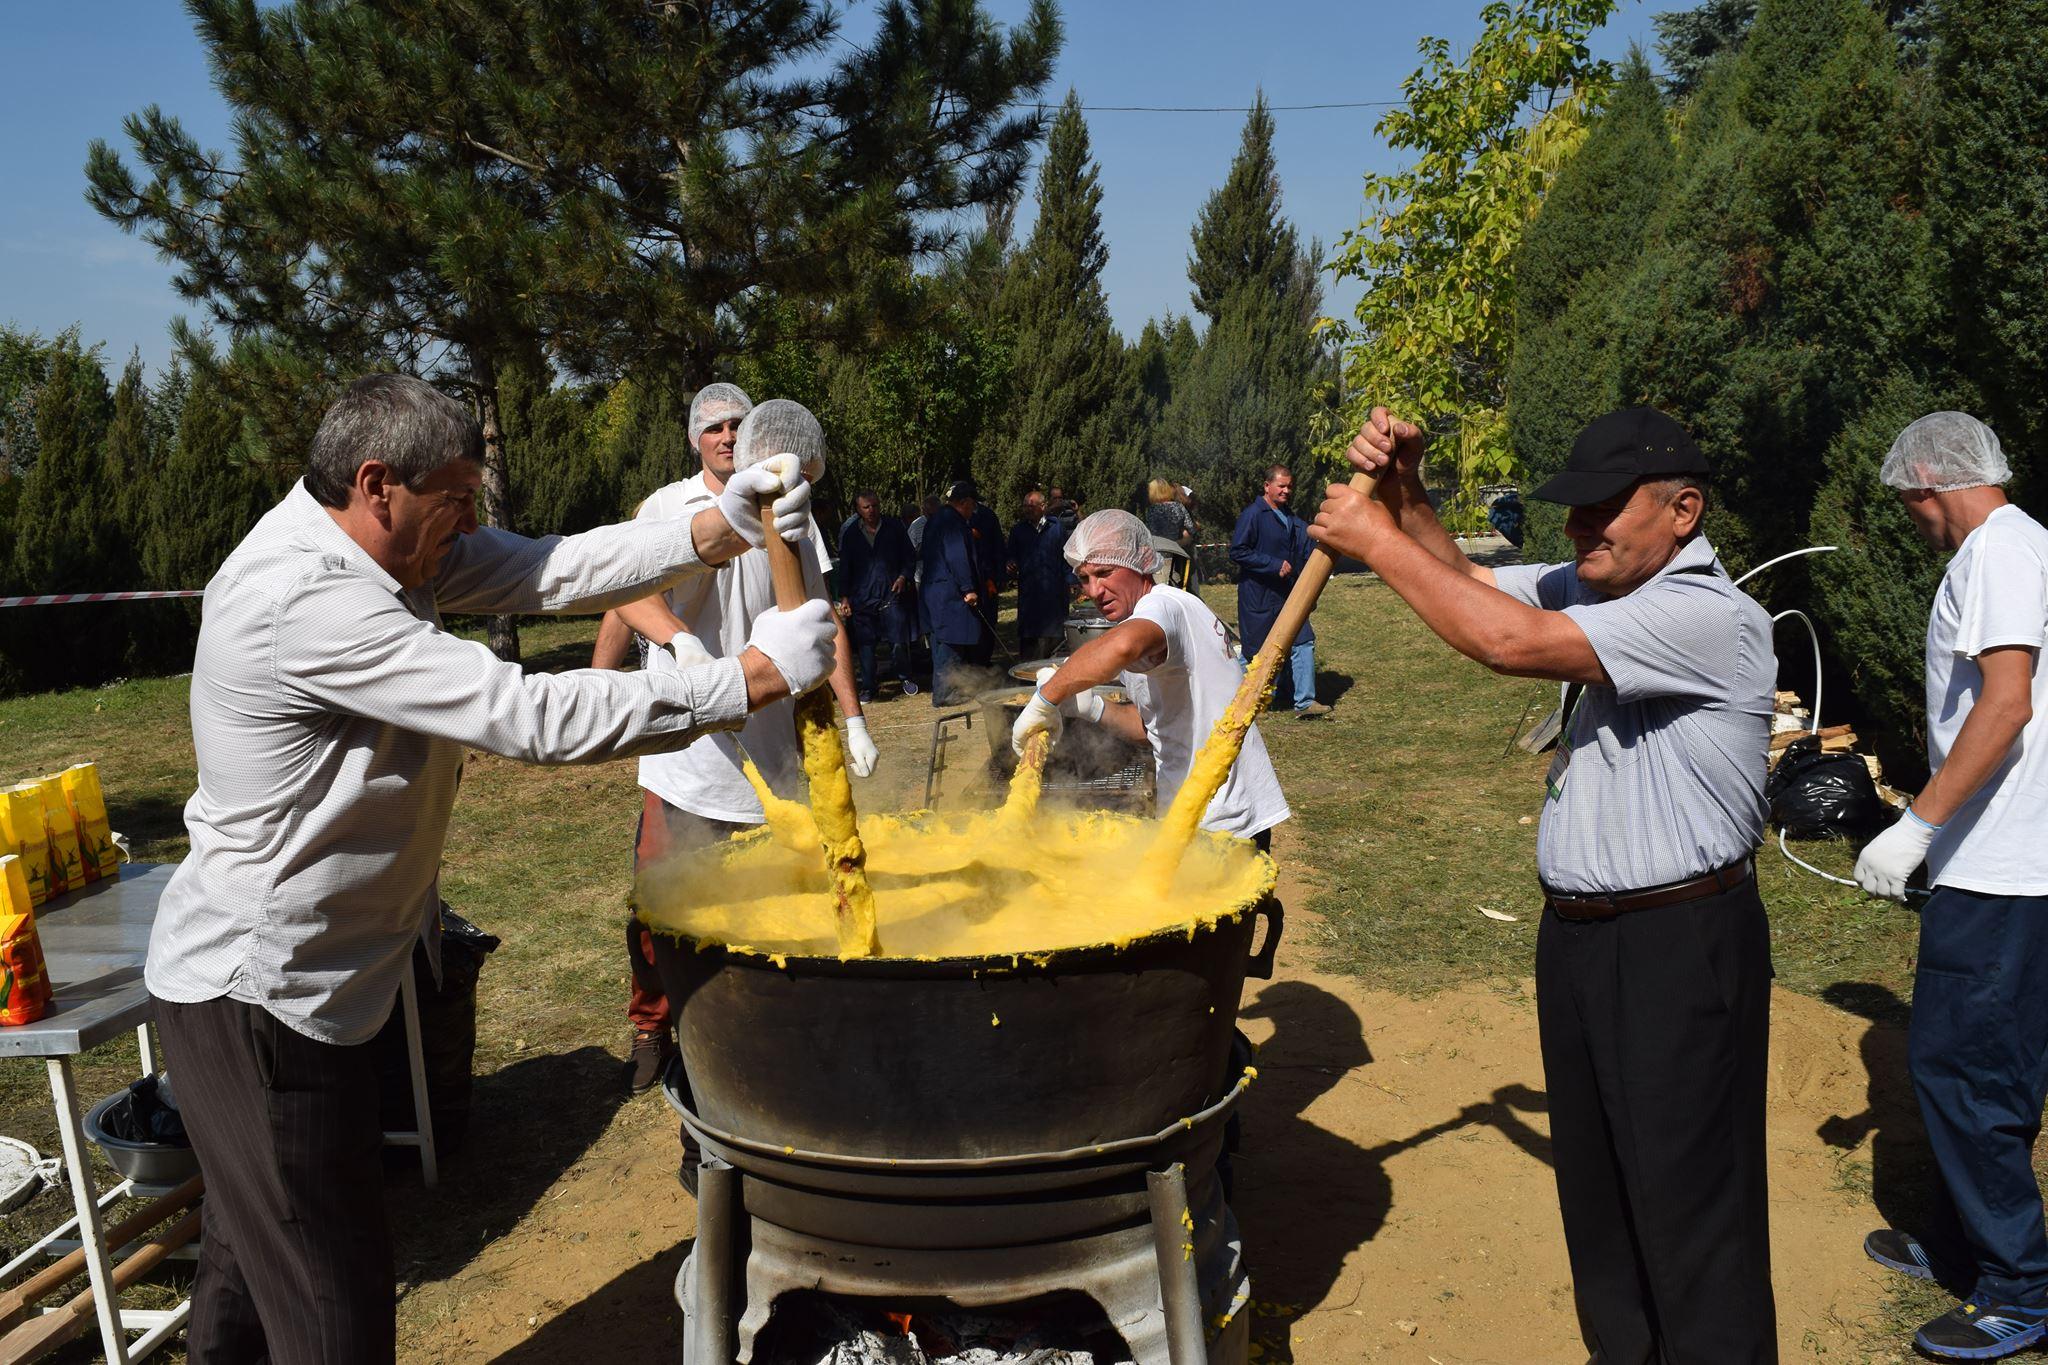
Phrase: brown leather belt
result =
(1606, 905)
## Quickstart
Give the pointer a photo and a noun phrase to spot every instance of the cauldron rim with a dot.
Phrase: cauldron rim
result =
(1092, 1153)
(1050, 961)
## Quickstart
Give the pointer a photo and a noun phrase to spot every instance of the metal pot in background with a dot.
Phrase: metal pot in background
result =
(1081, 629)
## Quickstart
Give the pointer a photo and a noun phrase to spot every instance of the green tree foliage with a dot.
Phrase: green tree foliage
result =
(1432, 333)
(1989, 205)
(1569, 268)
(1689, 39)
(1241, 401)
(1067, 416)
(606, 188)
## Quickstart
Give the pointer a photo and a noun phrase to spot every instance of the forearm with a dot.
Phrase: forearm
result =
(1483, 623)
(1100, 661)
(651, 619)
(1121, 719)
(1987, 737)
(843, 688)
(614, 642)
(1409, 502)
(714, 539)
(497, 572)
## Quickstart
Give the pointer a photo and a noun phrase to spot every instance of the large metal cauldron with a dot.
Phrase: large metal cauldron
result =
(963, 1058)
(1079, 630)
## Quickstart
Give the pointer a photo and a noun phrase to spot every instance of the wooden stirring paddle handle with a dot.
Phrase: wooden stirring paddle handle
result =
(1309, 582)
(784, 568)
(17, 1301)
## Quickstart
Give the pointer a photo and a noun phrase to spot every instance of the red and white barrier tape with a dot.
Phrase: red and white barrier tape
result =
(58, 599)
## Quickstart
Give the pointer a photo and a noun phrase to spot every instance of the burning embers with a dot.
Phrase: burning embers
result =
(820, 1329)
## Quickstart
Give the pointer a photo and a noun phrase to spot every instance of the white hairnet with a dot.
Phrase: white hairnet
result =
(1944, 451)
(715, 403)
(1112, 536)
(781, 427)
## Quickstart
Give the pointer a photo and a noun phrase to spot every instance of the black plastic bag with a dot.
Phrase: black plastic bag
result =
(447, 1036)
(147, 1113)
(1817, 795)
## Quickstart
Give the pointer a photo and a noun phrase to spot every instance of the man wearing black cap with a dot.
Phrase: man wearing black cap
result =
(1653, 960)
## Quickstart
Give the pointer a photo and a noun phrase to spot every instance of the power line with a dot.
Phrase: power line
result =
(1215, 108)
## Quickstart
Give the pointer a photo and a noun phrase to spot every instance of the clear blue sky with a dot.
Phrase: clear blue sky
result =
(71, 72)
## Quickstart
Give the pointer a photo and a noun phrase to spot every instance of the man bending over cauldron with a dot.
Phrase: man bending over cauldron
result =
(330, 714)
(1168, 652)
(1653, 963)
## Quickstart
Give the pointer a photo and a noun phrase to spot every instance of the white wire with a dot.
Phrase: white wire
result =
(1809, 550)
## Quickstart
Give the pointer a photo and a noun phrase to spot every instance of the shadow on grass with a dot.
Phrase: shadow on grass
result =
(529, 1123)
(1331, 686)
(557, 658)
(1306, 1197)
(1902, 1173)
(634, 1317)
(147, 820)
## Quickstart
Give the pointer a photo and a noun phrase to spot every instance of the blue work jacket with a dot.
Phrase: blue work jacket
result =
(1042, 575)
(949, 575)
(1265, 536)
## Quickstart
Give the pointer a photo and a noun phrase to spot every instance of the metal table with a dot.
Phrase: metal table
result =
(95, 942)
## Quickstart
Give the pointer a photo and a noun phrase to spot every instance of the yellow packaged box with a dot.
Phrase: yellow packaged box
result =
(21, 820)
(24, 980)
(96, 849)
(67, 871)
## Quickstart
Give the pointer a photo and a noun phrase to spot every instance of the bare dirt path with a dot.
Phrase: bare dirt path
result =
(1394, 1191)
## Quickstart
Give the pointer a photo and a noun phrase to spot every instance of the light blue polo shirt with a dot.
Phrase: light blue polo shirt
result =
(1666, 777)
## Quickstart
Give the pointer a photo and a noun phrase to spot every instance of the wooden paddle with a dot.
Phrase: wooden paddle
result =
(39, 1336)
(1212, 764)
(825, 765)
(16, 1301)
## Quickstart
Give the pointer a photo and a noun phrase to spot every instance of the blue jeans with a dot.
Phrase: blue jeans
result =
(1300, 667)
(1978, 1053)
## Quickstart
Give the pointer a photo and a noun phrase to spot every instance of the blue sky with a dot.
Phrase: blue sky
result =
(71, 72)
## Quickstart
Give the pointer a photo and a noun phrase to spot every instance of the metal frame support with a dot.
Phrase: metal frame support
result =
(1180, 1287)
(422, 1136)
(98, 1267)
(718, 1276)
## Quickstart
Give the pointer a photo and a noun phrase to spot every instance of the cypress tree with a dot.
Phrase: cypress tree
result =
(207, 496)
(1069, 409)
(129, 466)
(1568, 269)
(1244, 400)
(65, 530)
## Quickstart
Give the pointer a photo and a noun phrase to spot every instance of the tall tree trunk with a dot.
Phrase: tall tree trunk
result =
(497, 492)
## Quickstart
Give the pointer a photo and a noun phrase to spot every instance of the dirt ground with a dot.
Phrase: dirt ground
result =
(1394, 1192)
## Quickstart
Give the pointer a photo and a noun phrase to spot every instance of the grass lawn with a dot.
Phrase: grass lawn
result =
(1410, 813)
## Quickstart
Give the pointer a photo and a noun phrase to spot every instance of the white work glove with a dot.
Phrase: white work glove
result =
(687, 650)
(1890, 858)
(861, 753)
(1038, 714)
(802, 644)
(1083, 705)
(779, 477)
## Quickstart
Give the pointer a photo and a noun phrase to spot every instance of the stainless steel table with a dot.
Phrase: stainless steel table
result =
(95, 942)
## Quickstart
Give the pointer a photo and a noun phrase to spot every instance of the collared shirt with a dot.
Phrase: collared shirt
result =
(720, 609)
(1666, 773)
(330, 714)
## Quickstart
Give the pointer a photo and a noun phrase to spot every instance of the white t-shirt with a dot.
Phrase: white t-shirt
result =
(1180, 700)
(1994, 593)
(720, 608)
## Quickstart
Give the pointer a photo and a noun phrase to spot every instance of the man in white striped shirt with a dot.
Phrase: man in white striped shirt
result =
(330, 715)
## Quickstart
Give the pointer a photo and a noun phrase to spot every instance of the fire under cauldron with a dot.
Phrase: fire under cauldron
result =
(973, 1132)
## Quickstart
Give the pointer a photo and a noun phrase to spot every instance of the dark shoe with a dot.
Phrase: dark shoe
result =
(1982, 1330)
(1311, 711)
(1900, 1251)
(651, 1052)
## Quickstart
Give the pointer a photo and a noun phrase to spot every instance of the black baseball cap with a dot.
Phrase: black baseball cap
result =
(1616, 450)
(963, 488)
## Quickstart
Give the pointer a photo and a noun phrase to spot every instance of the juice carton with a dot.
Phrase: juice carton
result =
(21, 820)
(96, 849)
(24, 982)
(67, 870)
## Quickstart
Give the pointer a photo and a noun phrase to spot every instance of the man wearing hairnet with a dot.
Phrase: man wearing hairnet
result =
(1978, 1045)
(1169, 654)
(699, 794)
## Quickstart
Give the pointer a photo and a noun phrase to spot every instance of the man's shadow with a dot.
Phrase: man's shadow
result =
(1902, 1174)
(1307, 1198)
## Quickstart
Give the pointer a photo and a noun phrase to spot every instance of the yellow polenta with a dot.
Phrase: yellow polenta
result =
(985, 885)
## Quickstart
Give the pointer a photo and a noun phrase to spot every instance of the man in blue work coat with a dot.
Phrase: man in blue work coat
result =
(875, 564)
(957, 595)
(1269, 546)
(1039, 566)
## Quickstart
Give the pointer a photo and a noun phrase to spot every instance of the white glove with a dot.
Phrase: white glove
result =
(861, 753)
(687, 650)
(1038, 714)
(780, 477)
(1890, 858)
(802, 644)
(1085, 705)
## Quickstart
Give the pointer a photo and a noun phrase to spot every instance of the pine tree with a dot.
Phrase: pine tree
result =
(1568, 267)
(1244, 403)
(1068, 417)
(616, 186)
(1688, 40)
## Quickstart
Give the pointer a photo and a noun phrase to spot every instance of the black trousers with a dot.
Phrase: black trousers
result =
(1655, 1026)
(295, 1266)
